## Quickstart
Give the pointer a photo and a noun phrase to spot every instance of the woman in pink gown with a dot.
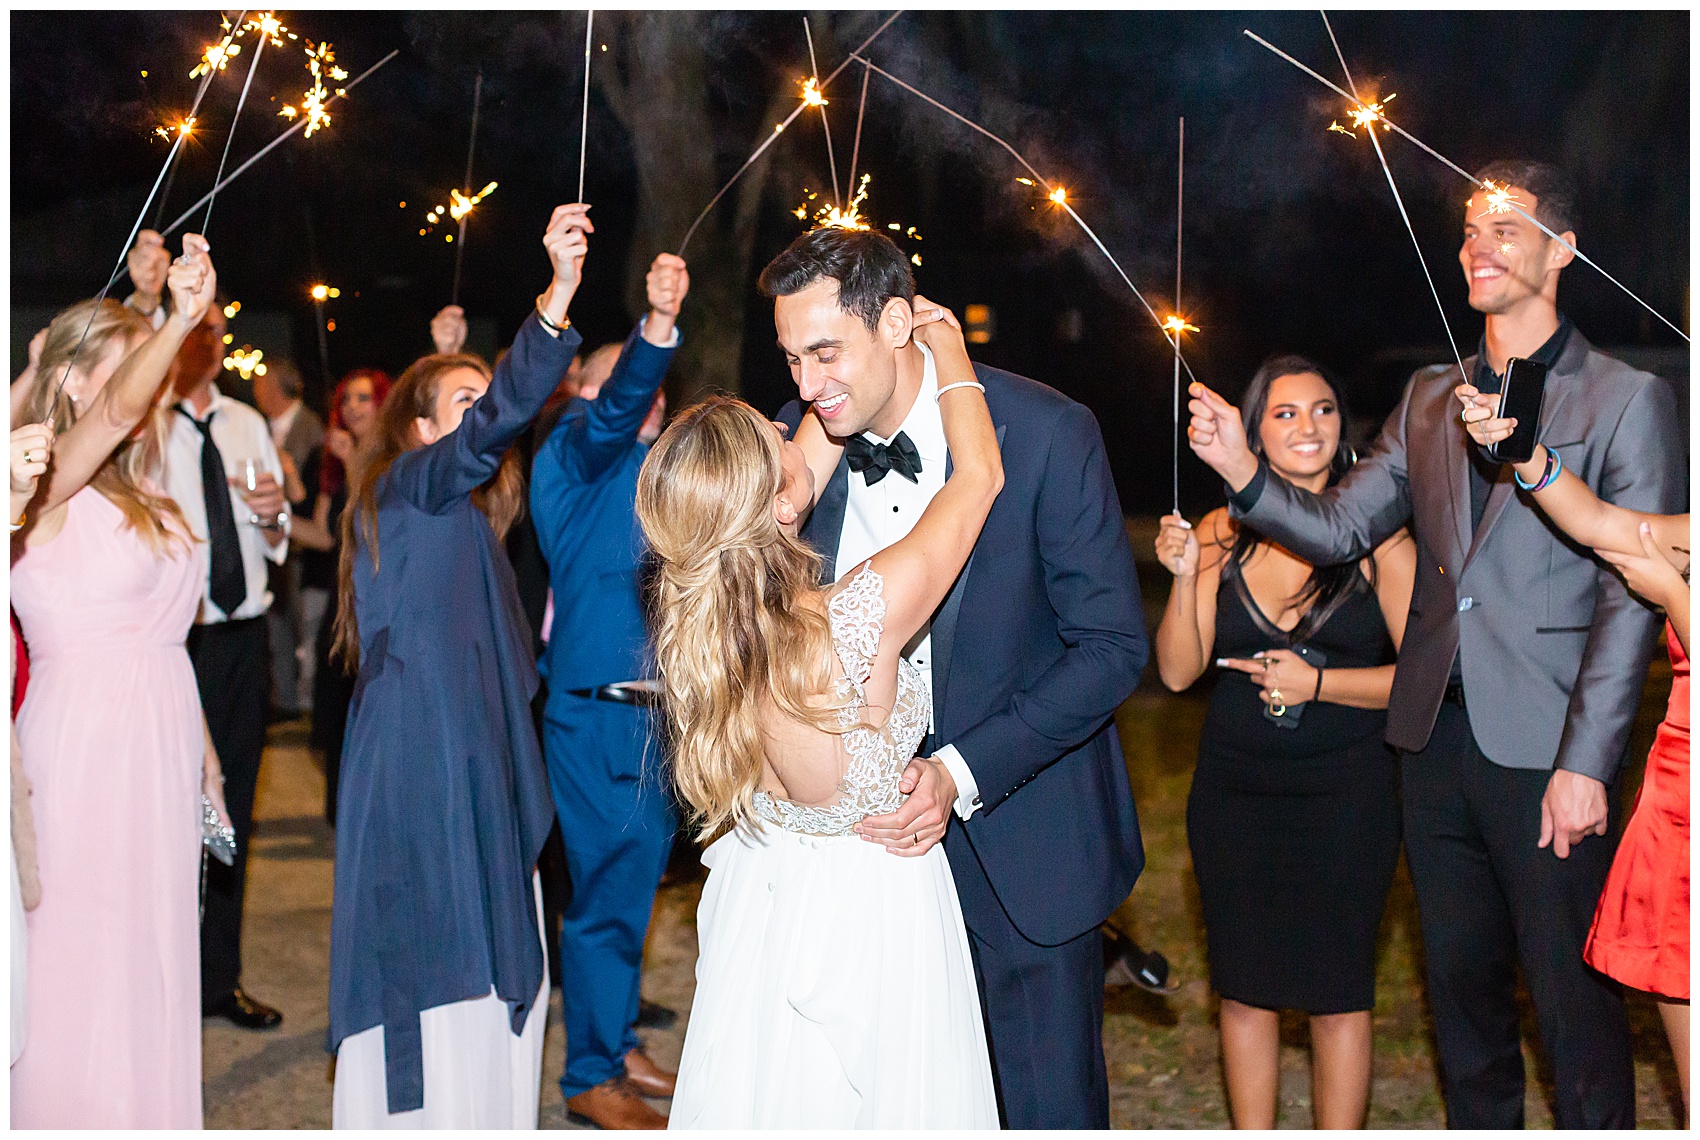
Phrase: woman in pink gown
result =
(113, 744)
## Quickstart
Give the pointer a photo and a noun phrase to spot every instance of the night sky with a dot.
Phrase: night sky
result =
(1293, 241)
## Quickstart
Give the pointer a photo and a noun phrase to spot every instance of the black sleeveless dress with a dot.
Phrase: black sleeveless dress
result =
(1294, 832)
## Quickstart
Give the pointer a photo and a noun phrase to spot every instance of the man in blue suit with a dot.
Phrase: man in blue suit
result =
(1037, 643)
(605, 773)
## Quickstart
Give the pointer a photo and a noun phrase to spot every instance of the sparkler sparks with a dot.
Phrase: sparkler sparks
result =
(322, 292)
(321, 62)
(1500, 199)
(217, 57)
(1176, 324)
(184, 128)
(812, 96)
(459, 206)
(1364, 116)
(269, 28)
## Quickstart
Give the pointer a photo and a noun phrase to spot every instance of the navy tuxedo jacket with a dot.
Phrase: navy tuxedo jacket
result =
(1038, 642)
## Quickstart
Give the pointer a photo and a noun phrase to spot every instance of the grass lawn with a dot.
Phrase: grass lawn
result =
(1163, 1053)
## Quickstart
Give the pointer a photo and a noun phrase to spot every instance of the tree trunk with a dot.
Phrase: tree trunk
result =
(658, 88)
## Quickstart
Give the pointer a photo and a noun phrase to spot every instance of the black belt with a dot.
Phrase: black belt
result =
(1455, 693)
(618, 694)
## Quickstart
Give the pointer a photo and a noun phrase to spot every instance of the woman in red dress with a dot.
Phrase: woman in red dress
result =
(1640, 934)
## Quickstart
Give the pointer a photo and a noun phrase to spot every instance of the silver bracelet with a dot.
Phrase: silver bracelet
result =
(960, 384)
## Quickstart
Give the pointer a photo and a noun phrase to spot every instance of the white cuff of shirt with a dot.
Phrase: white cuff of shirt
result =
(967, 791)
(672, 341)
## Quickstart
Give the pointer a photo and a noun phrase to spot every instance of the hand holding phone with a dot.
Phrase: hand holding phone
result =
(1520, 400)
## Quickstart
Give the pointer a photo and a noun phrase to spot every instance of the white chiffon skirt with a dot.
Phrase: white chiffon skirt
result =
(834, 990)
(478, 1072)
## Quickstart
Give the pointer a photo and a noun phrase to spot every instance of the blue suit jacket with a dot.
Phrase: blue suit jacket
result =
(444, 803)
(584, 506)
(1039, 641)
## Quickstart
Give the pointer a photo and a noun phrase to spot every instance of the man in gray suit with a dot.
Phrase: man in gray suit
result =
(1521, 669)
(298, 432)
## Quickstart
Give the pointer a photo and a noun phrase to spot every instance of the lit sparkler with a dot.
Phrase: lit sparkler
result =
(269, 147)
(1365, 117)
(186, 127)
(121, 267)
(1055, 193)
(324, 292)
(584, 109)
(1388, 124)
(812, 96)
(218, 56)
(779, 129)
(268, 29)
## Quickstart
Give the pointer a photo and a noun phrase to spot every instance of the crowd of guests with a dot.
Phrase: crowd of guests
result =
(1421, 649)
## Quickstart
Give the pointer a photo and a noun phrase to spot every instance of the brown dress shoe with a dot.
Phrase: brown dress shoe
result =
(647, 1077)
(613, 1104)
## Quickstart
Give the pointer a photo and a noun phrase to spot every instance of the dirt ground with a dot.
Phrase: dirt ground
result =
(1163, 1058)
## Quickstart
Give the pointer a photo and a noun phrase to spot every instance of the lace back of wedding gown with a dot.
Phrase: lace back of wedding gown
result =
(872, 759)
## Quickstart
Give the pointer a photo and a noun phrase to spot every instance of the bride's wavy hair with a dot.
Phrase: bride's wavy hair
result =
(735, 632)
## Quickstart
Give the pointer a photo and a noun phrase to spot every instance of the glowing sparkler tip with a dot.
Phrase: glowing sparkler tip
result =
(1059, 195)
(1025, 181)
(1176, 323)
(812, 94)
(320, 292)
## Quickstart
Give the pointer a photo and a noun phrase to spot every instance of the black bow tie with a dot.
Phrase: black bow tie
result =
(873, 460)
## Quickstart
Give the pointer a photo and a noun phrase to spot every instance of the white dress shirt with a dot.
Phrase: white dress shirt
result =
(877, 516)
(240, 433)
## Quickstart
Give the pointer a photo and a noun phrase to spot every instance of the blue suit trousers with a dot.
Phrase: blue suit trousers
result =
(617, 823)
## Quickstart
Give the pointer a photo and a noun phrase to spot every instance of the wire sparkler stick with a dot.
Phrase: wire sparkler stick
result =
(779, 129)
(300, 124)
(1180, 204)
(1381, 117)
(267, 26)
(118, 270)
(825, 126)
(1057, 195)
(856, 147)
(1399, 200)
(466, 183)
(584, 116)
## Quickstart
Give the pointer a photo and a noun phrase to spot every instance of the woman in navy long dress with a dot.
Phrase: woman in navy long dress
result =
(439, 987)
(1293, 818)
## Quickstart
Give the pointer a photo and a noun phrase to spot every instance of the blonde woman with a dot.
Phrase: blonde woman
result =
(105, 581)
(835, 986)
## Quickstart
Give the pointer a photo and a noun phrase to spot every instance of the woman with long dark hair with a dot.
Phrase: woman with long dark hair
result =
(1293, 819)
(439, 987)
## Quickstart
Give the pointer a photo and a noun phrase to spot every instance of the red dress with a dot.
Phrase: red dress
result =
(1640, 934)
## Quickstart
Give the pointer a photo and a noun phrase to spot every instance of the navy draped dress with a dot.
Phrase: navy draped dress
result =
(444, 804)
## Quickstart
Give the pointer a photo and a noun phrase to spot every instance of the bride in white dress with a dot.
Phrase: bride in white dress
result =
(834, 984)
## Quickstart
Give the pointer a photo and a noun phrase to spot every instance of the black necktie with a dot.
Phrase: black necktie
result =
(229, 580)
(873, 460)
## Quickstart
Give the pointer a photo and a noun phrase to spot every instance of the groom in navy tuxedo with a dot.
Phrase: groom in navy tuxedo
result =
(1027, 658)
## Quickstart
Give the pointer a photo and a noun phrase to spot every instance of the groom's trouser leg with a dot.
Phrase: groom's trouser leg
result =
(1044, 1010)
(617, 829)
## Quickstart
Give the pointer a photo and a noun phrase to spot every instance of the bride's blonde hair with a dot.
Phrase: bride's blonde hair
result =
(734, 628)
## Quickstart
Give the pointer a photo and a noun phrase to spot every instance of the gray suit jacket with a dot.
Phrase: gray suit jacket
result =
(305, 433)
(1555, 648)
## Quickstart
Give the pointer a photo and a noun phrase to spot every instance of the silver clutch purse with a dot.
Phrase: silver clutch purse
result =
(218, 838)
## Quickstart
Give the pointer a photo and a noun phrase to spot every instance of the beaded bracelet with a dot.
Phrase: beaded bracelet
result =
(960, 384)
(1549, 474)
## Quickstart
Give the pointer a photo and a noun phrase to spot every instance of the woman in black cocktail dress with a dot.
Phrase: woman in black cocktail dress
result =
(1293, 820)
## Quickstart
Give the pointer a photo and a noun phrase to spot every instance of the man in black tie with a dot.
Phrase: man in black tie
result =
(223, 469)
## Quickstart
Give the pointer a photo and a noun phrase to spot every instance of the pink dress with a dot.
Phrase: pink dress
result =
(112, 742)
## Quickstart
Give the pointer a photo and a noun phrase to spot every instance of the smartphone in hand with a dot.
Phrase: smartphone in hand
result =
(1520, 399)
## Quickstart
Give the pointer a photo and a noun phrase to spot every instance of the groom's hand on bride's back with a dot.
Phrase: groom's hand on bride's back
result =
(920, 823)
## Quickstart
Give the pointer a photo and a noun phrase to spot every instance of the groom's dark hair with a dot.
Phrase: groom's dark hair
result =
(869, 268)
